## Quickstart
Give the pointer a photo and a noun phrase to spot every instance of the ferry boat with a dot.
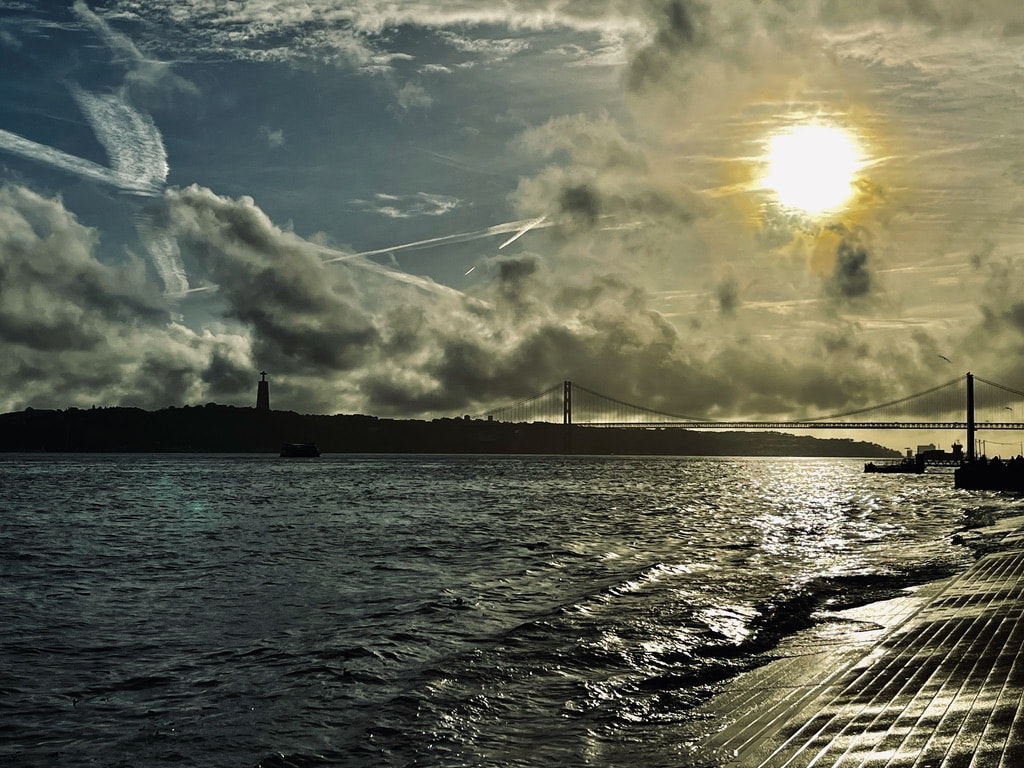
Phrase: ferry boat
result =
(906, 466)
(299, 451)
(917, 463)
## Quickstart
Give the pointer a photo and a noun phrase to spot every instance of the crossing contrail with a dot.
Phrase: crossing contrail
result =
(332, 256)
(134, 147)
(520, 227)
(532, 225)
(79, 166)
(133, 142)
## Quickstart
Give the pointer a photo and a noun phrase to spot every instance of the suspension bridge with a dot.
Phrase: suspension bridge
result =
(968, 404)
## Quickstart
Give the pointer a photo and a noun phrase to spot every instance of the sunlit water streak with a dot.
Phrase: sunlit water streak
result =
(441, 611)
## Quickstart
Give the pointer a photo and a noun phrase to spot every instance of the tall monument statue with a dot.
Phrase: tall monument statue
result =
(263, 393)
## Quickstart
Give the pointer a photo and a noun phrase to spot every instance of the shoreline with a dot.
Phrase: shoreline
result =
(226, 429)
(807, 700)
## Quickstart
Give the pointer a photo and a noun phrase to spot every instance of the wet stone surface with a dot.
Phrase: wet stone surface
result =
(934, 679)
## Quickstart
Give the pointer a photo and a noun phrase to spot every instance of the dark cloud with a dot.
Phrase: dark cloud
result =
(422, 354)
(595, 330)
(581, 203)
(845, 345)
(851, 277)
(1002, 309)
(227, 373)
(677, 34)
(410, 354)
(728, 294)
(77, 331)
(303, 314)
(1015, 315)
(514, 290)
(54, 295)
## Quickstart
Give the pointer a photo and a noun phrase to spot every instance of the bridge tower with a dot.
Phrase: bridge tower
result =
(567, 415)
(970, 417)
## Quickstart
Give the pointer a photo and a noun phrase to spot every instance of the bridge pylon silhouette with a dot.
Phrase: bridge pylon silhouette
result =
(971, 452)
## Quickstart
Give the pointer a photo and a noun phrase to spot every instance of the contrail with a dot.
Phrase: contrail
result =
(134, 146)
(331, 256)
(532, 225)
(139, 158)
(163, 249)
(189, 291)
(424, 284)
(521, 227)
(79, 166)
(139, 169)
(116, 41)
(132, 140)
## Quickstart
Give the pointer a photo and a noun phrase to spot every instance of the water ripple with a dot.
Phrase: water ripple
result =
(436, 611)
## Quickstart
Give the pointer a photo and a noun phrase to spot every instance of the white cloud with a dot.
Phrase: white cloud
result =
(273, 136)
(342, 30)
(407, 206)
(435, 69)
(9, 41)
(492, 49)
(143, 74)
(413, 96)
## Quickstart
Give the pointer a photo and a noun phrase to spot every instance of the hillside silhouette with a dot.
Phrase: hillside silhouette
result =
(228, 429)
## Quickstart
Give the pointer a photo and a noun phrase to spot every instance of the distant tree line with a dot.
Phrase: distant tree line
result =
(227, 429)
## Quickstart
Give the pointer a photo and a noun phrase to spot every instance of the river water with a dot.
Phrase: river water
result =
(245, 611)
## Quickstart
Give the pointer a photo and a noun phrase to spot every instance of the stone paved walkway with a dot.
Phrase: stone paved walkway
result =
(934, 680)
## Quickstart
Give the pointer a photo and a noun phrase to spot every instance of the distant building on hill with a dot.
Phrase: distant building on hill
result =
(263, 393)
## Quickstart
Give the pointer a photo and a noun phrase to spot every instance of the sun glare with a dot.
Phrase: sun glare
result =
(812, 168)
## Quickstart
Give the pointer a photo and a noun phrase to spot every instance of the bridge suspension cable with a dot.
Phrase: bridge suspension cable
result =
(996, 402)
(944, 399)
(546, 406)
(619, 411)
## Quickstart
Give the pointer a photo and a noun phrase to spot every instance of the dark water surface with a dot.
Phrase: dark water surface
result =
(429, 611)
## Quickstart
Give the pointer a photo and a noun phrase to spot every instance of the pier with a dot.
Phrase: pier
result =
(934, 679)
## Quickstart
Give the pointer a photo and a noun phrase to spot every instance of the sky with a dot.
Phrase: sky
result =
(421, 209)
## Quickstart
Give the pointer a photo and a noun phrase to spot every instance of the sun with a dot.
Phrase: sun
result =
(813, 167)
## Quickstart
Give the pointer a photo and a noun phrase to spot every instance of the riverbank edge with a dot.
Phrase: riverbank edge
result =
(226, 429)
(757, 706)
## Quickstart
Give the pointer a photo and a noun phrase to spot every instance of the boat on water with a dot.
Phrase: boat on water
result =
(299, 451)
(904, 466)
(990, 475)
(916, 463)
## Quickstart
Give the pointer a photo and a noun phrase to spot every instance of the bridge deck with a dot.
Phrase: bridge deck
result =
(943, 425)
(931, 680)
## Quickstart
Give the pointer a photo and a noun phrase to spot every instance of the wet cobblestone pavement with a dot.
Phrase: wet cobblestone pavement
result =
(932, 680)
